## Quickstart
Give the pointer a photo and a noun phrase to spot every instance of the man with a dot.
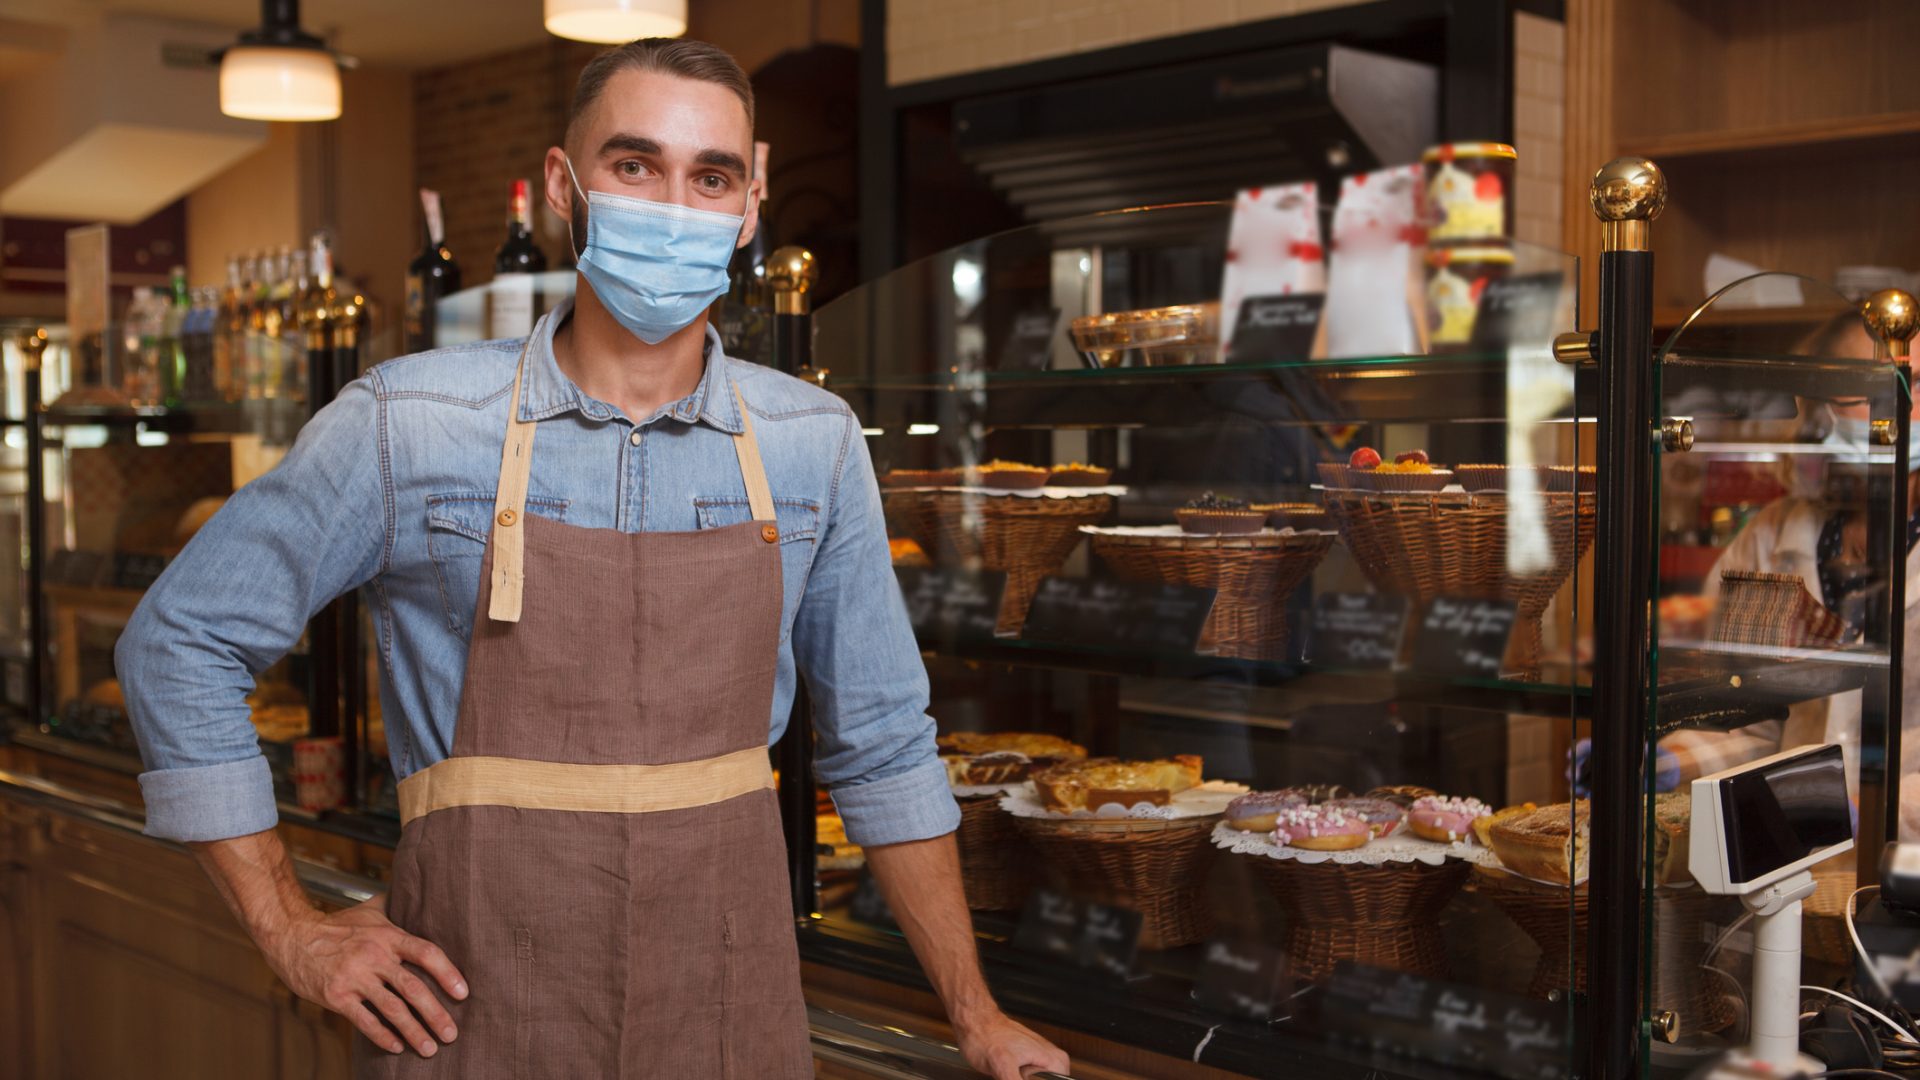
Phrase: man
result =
(585, 651)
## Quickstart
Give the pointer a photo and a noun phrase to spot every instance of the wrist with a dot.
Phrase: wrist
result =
(974, 1014)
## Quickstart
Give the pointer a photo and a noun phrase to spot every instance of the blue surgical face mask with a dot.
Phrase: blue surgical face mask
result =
(655, 266)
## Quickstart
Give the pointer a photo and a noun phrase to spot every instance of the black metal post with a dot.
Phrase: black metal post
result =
(1897, 617)
(36, 538)
(1627, 194)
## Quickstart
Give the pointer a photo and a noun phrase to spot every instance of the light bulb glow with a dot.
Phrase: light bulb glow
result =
(273, 83)
(615, 22)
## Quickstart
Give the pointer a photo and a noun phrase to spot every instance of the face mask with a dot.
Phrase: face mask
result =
(655, 266)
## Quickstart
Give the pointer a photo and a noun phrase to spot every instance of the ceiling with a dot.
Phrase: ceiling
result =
(390, 33)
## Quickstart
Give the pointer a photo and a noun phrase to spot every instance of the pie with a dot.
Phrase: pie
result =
(1005, 757)
(1094, 782)
(1548, 844)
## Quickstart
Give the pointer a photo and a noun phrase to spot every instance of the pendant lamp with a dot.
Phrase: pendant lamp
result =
(279, 71)
(615, 22)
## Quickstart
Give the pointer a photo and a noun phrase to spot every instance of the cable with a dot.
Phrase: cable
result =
(1865, 960)
(1870, 1011)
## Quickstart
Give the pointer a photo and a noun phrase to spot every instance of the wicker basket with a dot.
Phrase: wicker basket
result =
(1681, 984)
(910, 514)
(1026, 538)
(1825, 912)
(1424, 546)
(1157, 868)
(996, 863)
(1251, 576)
(1385, 915)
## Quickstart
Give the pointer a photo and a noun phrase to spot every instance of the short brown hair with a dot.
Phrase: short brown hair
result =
(683, 57)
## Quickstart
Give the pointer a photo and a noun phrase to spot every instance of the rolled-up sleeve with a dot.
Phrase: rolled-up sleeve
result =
(231, 604)
(875, 742)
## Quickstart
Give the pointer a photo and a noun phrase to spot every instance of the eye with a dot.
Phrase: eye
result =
(630, 168)
(713, 182)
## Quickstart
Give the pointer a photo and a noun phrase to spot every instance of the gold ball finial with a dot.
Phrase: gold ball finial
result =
(1627, 194)
(791, 272)
(1892, 317)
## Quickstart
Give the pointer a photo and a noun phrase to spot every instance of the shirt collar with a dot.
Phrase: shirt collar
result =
(546, 392)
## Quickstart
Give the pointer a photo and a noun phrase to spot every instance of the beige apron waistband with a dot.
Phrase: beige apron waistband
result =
(510, 497)
(607, 789)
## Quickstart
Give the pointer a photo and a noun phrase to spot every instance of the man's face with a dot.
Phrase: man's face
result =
(662, 138)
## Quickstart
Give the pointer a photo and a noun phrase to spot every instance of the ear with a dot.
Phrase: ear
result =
(752, 222)
(558, 185)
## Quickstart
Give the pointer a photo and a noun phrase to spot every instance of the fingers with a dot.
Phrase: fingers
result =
(427, 955)
(402, 1019)
(425, 1003)
(369, 1025)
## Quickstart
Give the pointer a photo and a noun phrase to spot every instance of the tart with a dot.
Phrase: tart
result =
(1212, 513)
(1410, 475)
(906, 552)
(1547, 844)
(1095, 782)
(1294, 515)
(898, 478)
(1564, 478)
(1075, 474)
(1481, 477)
(1009, 475)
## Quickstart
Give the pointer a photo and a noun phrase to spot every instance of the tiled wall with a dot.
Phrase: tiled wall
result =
(1539, 127)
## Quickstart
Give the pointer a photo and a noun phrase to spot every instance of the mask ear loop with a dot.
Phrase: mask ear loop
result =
(583, 203)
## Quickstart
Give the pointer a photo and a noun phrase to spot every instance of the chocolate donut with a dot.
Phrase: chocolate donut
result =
(1380, 815)
(1319, 793)
(1401, 795)
(1254, 811)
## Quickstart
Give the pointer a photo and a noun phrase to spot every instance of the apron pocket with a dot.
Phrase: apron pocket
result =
(522, 1001)
(458, 526)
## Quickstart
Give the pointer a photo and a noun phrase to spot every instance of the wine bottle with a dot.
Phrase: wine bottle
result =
(431, 276)
(746, 312)
(510, 304)
(519, 254)
(230, 337)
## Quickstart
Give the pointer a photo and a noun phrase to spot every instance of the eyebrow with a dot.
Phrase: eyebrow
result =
(640, 144)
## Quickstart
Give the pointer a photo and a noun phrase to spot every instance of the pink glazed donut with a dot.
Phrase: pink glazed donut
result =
(1380, 815)
(1320, 828)
(1444, 818)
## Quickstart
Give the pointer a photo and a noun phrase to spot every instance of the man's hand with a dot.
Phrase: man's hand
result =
(353, 962)
(1005, 1049)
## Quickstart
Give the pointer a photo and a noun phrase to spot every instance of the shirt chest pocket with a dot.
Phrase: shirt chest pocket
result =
(458, 526)
(799, 524)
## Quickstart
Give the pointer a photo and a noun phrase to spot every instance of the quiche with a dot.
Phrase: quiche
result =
(1005, 757)
(1092, 783)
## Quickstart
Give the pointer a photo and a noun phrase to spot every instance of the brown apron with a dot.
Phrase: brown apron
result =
(601, 856)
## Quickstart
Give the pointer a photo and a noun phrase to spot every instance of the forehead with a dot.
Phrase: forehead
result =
(680, 114)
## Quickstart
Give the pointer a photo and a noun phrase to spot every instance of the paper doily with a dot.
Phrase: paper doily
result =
(1206, 800)
(977, 791)
(1050, 492)
(1401, 847)
(1175, 530)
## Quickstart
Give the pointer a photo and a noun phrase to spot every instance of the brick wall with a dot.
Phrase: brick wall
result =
(1539, 127)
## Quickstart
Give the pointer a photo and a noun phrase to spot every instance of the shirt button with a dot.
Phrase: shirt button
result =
(635, 437)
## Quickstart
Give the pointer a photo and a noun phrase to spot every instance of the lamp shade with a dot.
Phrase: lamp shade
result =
(614, 22)
(271, 82)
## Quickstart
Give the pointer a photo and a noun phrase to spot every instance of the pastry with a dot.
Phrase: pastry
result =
(1380, 815)
(1547, 844)
(1319, 793)
(1042, 749)
(995, 767)
(1294, 515)
(1401, 795)
(1256, 811)
(1482, 826)
(1076, 474)
(1565, 478)
(1009, 475)
(1094, 782)
(920, 478)
(1212, 513)
(1320, 828)
(1673, 822)
(906, 552)
(1444, 818)
(1408, 472)
(1482, 477)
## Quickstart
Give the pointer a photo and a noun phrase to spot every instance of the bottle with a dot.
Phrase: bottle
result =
(510, 303)
(229, 341)
(746, 312)
(432, 275)
(140, 366)
(316, 320)
(198, 340)
(172, 356)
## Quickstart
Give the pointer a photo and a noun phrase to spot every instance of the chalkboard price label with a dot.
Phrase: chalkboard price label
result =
(948, 605)
(1109, 939)
(1463, 638)
(1118, 614)
(1517, 310)
(1029, 343)
(1275, 328)
(1050, 926)
(1357, 630)
(1446, 1022)
(1097, 937)
(1247, 980)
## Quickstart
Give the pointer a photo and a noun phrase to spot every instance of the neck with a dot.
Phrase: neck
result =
(608, 363)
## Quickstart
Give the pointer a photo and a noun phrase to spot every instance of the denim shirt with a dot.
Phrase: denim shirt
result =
(390, 488)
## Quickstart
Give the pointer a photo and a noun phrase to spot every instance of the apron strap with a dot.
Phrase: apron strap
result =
(752, 470)
(510, 507)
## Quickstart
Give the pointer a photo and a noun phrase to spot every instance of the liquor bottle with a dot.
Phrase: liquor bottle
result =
(316, 321)
(172, 359)
(519, 254)
(432, 275)
(229, 337)
(510, 302)
(746, 312)
(198, 337)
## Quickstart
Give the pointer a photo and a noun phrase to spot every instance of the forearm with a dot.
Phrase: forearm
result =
(255, 876)
(921, 881)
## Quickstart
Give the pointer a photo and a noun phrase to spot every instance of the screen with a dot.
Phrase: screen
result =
(1784, 812)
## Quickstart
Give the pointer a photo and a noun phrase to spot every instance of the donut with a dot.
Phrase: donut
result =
(1443, 818)
(1316, 828)
(1380, 815)
(1401, 795)
(1318, 793)
(1254, 812)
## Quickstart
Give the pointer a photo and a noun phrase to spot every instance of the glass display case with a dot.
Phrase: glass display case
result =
(1389, 545)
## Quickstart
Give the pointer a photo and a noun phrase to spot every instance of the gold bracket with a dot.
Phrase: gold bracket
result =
(1881, 433)
(1574, 347)
(1676, 434)
(791, 272)
(1666, 1026)
(1892, 318)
